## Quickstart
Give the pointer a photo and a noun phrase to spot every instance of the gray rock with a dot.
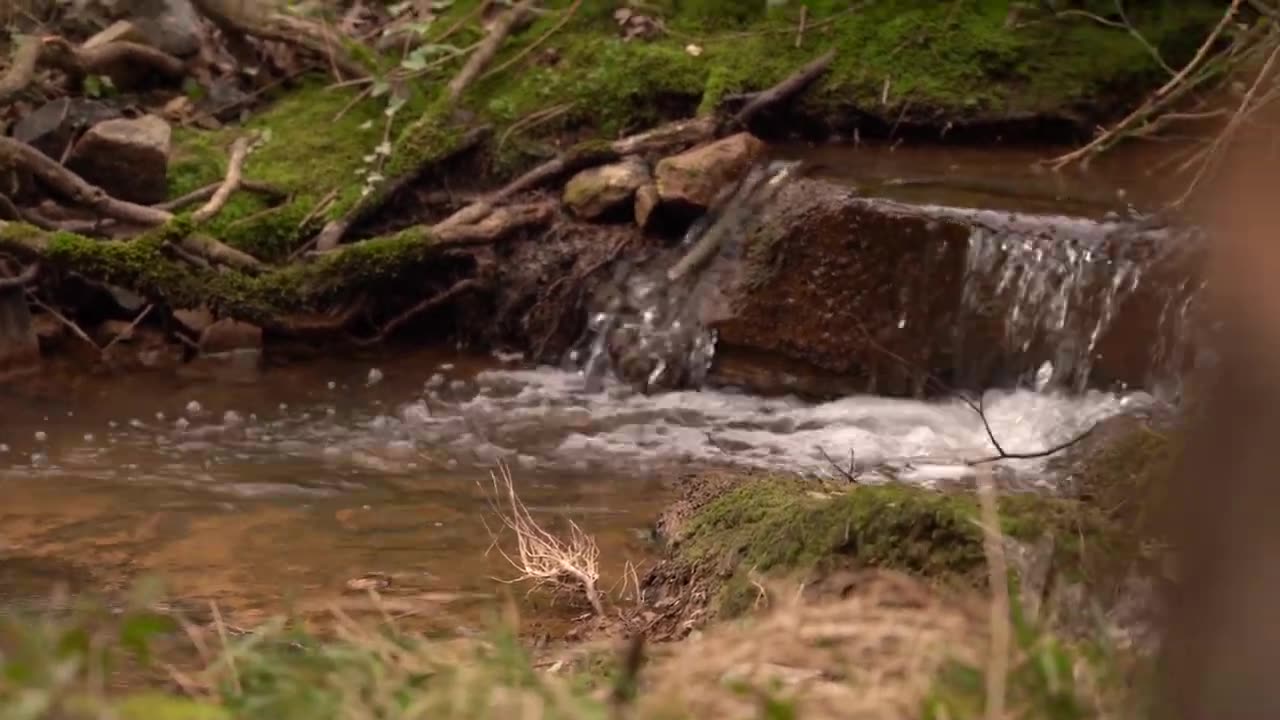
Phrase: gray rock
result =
(596, 191)
(694, 177)
(169, 25)
(51, 127)
(197, 320)
(127, 158)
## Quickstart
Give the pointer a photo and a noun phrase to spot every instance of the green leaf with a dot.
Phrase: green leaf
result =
(153, 706)
(137, 631)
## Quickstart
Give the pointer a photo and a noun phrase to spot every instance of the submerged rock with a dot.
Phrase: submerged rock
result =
(227, 335)
(692, 179)
(596, 191)
(129, 158)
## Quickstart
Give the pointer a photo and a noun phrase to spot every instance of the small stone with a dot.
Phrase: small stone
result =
(227, 335)
(693, 178)
(127, 158)
(194, 319)
(596, 191)
(170, 25)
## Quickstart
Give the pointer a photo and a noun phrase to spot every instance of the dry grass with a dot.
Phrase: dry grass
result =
(542, 559)
(873, 655)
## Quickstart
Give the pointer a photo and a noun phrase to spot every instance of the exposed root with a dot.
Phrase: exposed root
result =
(206, 192)
(541, 558)
(22, 279)
(22, 68)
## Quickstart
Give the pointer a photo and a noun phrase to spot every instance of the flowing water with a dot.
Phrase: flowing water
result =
(319, 479)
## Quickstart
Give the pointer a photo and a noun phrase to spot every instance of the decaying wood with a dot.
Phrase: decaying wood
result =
(75, 188)
(783, 91)
(235, 171)
(489, 47)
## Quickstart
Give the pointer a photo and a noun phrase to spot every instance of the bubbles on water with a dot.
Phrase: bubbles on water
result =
(416, 413)
(284, 407)
(375, 377)
(88, 437)
(435, 381)
(41, 436)
(446, 366)
(182, 423)
(231, 418)
(332, 385)
(194, 408)
(3, 448)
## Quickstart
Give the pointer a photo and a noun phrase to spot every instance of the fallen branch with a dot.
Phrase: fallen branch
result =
(426, 305)
(129, 330)
(75, 188)
(22, 279)
(783, 91)
(542, 558)
(66, 322)
(524, 52)
(235, 169)
(206, 192)
(489, 47)
(78, 62)
(331, 235)
(22, 68)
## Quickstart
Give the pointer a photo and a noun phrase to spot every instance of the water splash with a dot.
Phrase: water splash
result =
(650, 326)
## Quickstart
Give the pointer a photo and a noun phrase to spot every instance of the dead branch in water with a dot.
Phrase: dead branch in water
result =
(980, 408)
(542, 558)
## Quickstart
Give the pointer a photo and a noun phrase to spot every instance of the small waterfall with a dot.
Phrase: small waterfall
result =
(1059, 288)
(651, 324)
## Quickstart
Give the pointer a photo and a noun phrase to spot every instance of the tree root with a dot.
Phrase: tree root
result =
(22, 68)
(22, 279)
(79, 62)
(221, 253)
(425, 305)
(235, 169)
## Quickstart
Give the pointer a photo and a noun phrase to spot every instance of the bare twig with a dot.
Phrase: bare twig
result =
(1202, 52)
(542, 558)
(66, 322)
(564, 20)
(235, 169)
(852, 474)
(129, 330)
(426, 305)
(979, 407)
(204, 193)
(489, 47)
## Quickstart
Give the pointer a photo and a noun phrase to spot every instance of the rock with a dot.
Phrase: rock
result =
(19, 346)
(228, 335)
(53, 126)
(136, 348)
(169, 25)
(647, 200)
(127, 158)
(596, 191)
(694, 177)
(50, 331)
(195, 319)
(890, 295)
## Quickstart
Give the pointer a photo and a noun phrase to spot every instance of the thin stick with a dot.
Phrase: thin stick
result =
(790, 86)
(226, 646)
(564, 20)
(804, 17)
(1202, 52)
(489, 48)
(998, 576)
(235, 169)
(74, 328)
(421, 307)
(129, 330)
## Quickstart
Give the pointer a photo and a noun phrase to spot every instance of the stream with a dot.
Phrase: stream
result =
(298, 490)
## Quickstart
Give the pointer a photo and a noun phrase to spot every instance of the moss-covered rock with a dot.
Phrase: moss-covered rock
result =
(781, 525)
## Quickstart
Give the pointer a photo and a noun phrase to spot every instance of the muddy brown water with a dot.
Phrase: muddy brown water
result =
(277, 494)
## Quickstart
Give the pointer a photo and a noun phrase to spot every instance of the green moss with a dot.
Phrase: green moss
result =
(783, 525)
(309, 153)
